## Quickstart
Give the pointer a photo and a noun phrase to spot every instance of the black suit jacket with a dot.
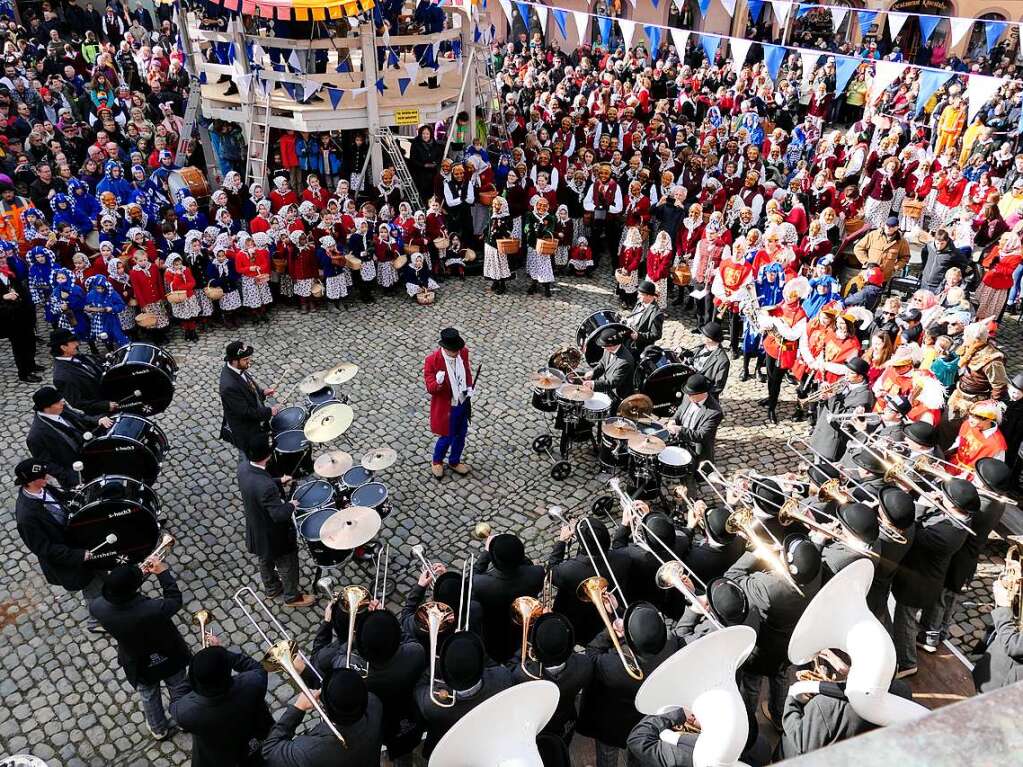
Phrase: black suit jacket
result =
(59, 446)
(646, 749)
(45, 537)
(226, 728)
(496, 590)
(319, 747)
(78, 381)
(714, 365)
(648, 323)
(827, 438)
(921, 576)
(642, 572)
(1002, 661)
(571, 678)
(702, 428)
(439, 720)
(269, 530)
(568, 574)
(614, 373)
(708, 560)
(246, 417)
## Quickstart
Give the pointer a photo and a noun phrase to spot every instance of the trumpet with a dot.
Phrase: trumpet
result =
(1011, 577)
(200, 618)
(435, 616)
(824, 391)
(165, 545)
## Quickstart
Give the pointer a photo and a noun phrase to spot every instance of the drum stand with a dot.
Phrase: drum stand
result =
(566, 434)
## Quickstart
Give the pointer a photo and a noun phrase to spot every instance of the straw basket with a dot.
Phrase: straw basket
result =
(213, 293)
(177, 297)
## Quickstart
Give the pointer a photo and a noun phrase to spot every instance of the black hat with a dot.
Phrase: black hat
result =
(962, 494)
(659, 525)
(506, 551)
(377, 635)
(995, 474)
(447, 588)
(727, 601)
(345, 697)
(767, 496)
(712, 330)
(122, 583)
(819, 473)
(593, 532)
(697, 383)
(867, 461)
(237, 350)
(716, 524)
(210, 671)
(58, 338)
(911, 314)
(553, 639)
(45, 396)
(647, 288)
(462, 659)
(450, 340)
(899, 403)
(922, 433)
(860, 520)
(258, 449)
(802, 557)
(858, 365)
(644, 629)
(1017, 381)
(612, 337)
(29, 470)
(898, 506)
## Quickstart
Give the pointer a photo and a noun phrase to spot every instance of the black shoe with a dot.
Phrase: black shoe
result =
(30, 378)
(736, 354)
(745, 376)
(771, 416)
(799, 415)
(38, 368)
(761, 376)
(764, 402)
(533, 287)
(547, 289)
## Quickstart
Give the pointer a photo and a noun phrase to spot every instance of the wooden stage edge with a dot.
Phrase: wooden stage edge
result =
(945, 677)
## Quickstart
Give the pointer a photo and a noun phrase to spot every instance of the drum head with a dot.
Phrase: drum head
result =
(372, 495)
(599, 401)
(117, 506)
(654, 430)
(141, 368)
(309, 526)
(314, 495)
(112, 454)
(675, 456)
(592, 328)
(665, 385)
(289, 419)
(291, 442)
(321, 396)
(356, 477)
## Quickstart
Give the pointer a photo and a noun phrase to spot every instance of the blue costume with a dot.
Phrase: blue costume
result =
(768, 294)
(64, 213)
(82, 200)
(40, 270)
(67, 303)
(116, 185)
(108, 322)
(816, 301)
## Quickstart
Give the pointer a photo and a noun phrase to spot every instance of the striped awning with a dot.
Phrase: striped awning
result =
(300, 10)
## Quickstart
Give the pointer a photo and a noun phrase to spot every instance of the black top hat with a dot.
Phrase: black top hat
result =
(858, 365)
(802, 557)
(644, 629)
(647, 288)
(716, 524)
(819, 473)
(258, 449)
(58, 338)
(210, 671)
(659, 525)
(727, 601)
(122, 583)
(29, 470)
(962, 494)
(345, 697)
(45, 396)
(237, 350)
(867, 461)
(378, 636)
(898, 506)
(506, 551)
(697, 383)
(860, 520)
(593, 532)
(899, 404)
(995, 474)
(712, 330)
(553, 639)
(462, 659)
(451, 340)
(922, 433)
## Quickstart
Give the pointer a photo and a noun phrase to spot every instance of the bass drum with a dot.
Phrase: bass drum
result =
(308, 525)
(189, 180)
(592, 328)
(663, 378)
(119, 506)
(292, 455)
(141, 377)
(133, 447)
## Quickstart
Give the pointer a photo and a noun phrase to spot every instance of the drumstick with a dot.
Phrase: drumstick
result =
(134, 395)
(110, 540)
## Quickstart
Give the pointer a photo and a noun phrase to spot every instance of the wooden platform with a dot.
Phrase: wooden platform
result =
(944, 678)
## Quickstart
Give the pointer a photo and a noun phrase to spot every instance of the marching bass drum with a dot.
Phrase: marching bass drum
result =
(116, 505)
(191, 180)
(592, 328)
(143, 368)
(663, 378)
(133, 447)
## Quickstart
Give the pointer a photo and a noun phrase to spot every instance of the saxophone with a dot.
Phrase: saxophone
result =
(749, 305)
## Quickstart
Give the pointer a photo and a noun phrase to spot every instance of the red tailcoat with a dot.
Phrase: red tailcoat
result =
(440, 393)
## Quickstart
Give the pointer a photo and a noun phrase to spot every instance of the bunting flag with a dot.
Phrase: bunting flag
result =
(524, 13)
(295, 62)
(403, 84)
(754, 8)
(930, 81)
(506, 7)
(335, 94)
(810, 59)
(837, 17)
(560, 18)
(729, 6)
(927, 26)
(359, 91)
(959, 29)
(866, 19)
(774, 55)
(257, 54)
(992, 31)
(710, 44)
(979, 90)
(582, 25)
(845, 67)
(681, 39)
(412, 70)
(541, 15)
(380, 85)
(628, 31)
(654, 35)
(310, 88)
(244, 82)
(739, 48)
(885, 73)
(476, 34)
(679, 4)
(344, 65)
(781, 10)
(392, 58)
(802, 10)
(604, 25)
(704, 6)
(293, 90)
(895, 23)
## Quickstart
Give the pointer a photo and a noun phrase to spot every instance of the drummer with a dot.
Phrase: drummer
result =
(246, 415)
(57, 434)
(646, 320)
(77, 376)
(614, 373)
(697, 419)
(711, 359)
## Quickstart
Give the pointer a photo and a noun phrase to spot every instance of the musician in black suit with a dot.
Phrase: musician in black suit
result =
(269, 530)
(828, 439)
(567, 574)
(149, 647)
(859, 529)
(448, 589)
(56, 435)
(710, 358)
(891, 546)
(247, 417)
(696, 420)
(1001, 663)
(646, 320)
(510, 576)
(78, 376)
(658, 741)
(656, 541)
(614, 373)
(354, 711)
(222, 705)
(41, 515)
(18, 323)
(712, 548)
(724, 601)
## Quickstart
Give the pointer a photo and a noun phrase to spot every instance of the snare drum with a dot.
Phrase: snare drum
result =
(568, 407)
(115, 505)
(313, 495)
(308, 526)
(352, 479)
(374, 496)
(597, 407)
(289, 419)
(675, 462)
(132, 447)
(325, 396)
(546, 400)
(293, 454)
(142, 368)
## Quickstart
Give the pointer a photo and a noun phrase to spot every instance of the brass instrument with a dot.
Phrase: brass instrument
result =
(165, 545)
(436, 616)
(482, 531)
(353, 600)
(200, 618)
(1012, 577)
(937, 468)
(824, 391)
(791, 512)
(819, 673)
(749, 305)
(527, 609)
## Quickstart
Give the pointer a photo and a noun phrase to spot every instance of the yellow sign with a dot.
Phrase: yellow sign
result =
(406, 117)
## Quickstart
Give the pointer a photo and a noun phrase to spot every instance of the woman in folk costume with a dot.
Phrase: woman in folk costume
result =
(336, 277)
(690, 232)
(221, 273)
(253, 265)
(636, 213)
(630, 259)
(360, 245)
(815, 245)
(783, 326)
(917, 184)
(769, 282)
(997, 281)
(879, 191)
(192, 219)
(148, 288)
(564, 233)
(67, 303)
(179, 278)
(495, 263)
(539, 225)
(416, 277)
(950, 186)
(196, 258)
(712, 247)
(658, 265)
(103, 304)
(386, 250)
(415, 238)
(41, 263)
(120, 282)
(303, 267)
(405, 219)
(516, 192)
(436, 229)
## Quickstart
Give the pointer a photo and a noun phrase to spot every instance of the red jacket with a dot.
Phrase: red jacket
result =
(302, 264)
(184, 281)
(147, 286)
(440, 393)
(630, 259)
(289, 157)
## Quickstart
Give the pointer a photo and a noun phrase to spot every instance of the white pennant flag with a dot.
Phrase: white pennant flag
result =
(681, 38)
(257, 54)
(412, 70)
(243, 86)
(628, 31)
(837, 17)
(895, 23)
(781, 11)
(541, 14)
(739, 47)
(729, 6)
(359, 91)
(979, 90)
(809, 62)
(960, 28)
(506, 7)
(582, 24)
(885, 73)
(295, 62)
(309, 88)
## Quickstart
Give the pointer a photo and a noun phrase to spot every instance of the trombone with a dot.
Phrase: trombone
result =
(356, 599)
(939, 469)
(1012, 577)
(200, 618)
(527, 609)
(281, 654)
(436, 616)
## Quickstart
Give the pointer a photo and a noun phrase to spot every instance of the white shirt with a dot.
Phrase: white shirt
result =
(456, 376)
(58, 419)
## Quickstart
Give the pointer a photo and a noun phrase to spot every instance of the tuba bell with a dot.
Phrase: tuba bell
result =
(524, 611)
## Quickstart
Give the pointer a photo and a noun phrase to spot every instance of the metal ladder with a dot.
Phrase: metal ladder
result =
(487, 86)
(387, 140)
(191, 112)
(258, 141)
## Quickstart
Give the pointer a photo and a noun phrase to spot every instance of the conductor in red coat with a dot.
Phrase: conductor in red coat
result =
(449, 382)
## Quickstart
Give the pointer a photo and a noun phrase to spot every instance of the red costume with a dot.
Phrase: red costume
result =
(441, 393)
(777, 347)
(974, 445)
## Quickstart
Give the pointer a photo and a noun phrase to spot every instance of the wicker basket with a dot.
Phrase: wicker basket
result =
(280, 265)
(468, 256)
(912, 208)
(682, 275)
(145, 320)
(399, 263)
(425, 297)
(213, 293)
(623, 277)
(353, 262)
(316, 291)
(338, 259)
(507, 246)
(546, 247)
(441, 243)
(177, 297)
(412, 248)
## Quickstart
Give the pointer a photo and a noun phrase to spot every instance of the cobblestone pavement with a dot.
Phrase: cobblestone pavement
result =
(63, 697)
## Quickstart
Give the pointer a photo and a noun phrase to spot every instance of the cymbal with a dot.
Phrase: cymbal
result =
(329, 422)
(545, 381)
(332, 464)
(349, 528)
(646, 444)
(340, 374)
(618, 428)
(379, 458)
(574, 392)
(312, 382)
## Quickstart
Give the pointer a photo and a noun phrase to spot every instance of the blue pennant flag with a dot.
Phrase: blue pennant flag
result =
(380, 85)
(993, 30)
(845, 67)
(202, 78)
(774, 55)
(927, 26)
(604, 25)
(704, 6)
(523, 12)
(657, 3)
(653, 34)
(710, 45)
(294, 90)
(866, 18)
(403, 83)
(476, 34)
(336, 95)
(756, 7)
(802, 10)
(392, 58)
(344, 66)
(456, 48)
(930, 81)
(559, 19)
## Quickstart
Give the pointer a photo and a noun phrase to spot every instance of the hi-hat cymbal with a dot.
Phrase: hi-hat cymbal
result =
(379, 458)
(646, 444)
(312, 382)
(618, 428)
(545, 381)
(333, 464)
(350, 528)
(340, 374)
(574, 392)
(329, 422)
